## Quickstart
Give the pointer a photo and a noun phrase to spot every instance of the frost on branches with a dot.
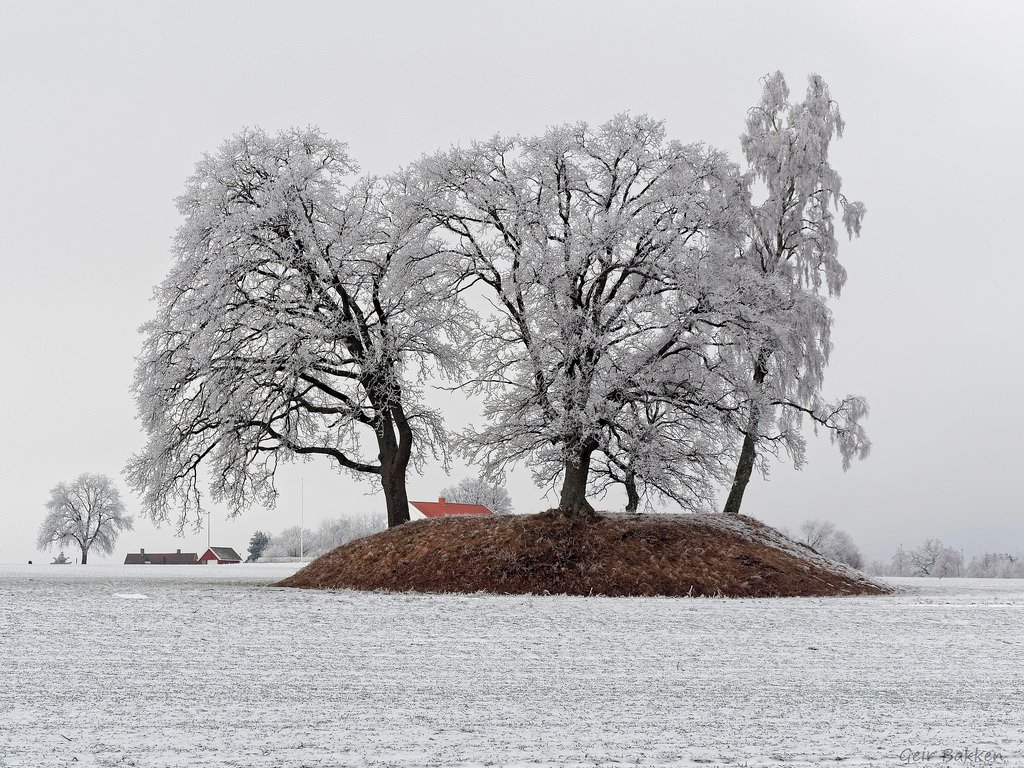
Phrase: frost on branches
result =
(302, 311)
(87, 513)
(791, 236)
(608, 256)
(645, 322)
(477, 490)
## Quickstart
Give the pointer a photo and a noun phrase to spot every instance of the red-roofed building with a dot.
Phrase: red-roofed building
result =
(220, 555)
(421, 510)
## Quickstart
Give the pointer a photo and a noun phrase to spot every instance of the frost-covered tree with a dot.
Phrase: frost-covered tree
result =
(825, 539)
(302, 311)
(331, 533)
(606, 256)
(88, 513)
(791, 236)
(334, 532)
(933, 558)
(660, 451)
(996, 565)
(258, 544)
(292, 542)
(478, 490)
(899, 565)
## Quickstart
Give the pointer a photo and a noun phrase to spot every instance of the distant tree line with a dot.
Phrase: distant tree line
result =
(933, 558)
(305, 542)
(996, 565)
(930, 558)
(298, 542)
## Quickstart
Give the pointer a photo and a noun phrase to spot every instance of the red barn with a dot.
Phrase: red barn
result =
(220, 555)
(421, 510)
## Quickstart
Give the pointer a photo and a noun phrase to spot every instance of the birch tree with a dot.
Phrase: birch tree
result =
(87, 513)
(303, 310)
(791, 236)
(602, 252)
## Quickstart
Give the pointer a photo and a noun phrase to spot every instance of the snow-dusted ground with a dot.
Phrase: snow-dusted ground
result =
(176, 666)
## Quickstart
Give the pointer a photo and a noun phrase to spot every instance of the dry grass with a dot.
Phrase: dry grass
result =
(615, 555)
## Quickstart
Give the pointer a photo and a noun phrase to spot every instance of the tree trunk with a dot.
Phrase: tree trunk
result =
(394, 439)
(632, 495)
(85, 554)
(573, 500)
(395, 495)
(745, 465)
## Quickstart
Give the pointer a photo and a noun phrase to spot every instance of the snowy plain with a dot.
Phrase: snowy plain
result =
(178, 665)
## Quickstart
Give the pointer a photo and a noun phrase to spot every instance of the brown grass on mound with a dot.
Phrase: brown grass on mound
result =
(615, 555)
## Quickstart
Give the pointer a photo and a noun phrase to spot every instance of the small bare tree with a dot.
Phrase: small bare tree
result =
(88, 512)
(899, 565)
(933, 558)
(825, 539)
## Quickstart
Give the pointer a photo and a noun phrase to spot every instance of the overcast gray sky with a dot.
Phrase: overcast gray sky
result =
(106, 106)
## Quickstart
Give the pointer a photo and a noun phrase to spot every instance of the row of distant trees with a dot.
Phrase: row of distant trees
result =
(933, 558)
(305, 542)
(930, 558)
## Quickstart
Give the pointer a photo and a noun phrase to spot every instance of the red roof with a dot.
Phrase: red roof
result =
(221, 555)
(441, 508)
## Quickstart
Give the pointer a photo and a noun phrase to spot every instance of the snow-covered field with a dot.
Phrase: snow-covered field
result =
(188, 665)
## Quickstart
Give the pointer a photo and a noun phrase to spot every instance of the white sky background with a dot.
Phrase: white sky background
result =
(105, 107)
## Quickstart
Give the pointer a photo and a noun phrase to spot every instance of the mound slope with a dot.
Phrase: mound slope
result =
(616, 555)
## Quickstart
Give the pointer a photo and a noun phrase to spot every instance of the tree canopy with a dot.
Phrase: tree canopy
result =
(302, 310)
(607, 255)
(88, 513)
(630, 309)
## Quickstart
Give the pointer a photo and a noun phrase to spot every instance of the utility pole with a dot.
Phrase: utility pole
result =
(208, 529)
(302, 517)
